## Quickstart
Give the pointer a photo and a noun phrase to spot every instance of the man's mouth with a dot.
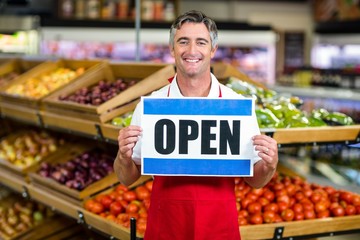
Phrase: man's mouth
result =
(192, 60)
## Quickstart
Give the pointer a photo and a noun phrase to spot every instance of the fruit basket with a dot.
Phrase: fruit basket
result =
(77, 173)
(24, 150)
(101, 96)
(13, 68)
(110, 130)
(19, 217)
(22, 98)
(112, 216)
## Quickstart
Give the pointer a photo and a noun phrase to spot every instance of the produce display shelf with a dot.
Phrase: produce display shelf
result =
(147, 77)
(111, 228)
(55, 202)
(291, 230)
(61, 190)
(20, 113)
(13, 180)
(313, 135)
(69, 124)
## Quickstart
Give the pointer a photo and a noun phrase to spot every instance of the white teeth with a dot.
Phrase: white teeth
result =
(192, 60)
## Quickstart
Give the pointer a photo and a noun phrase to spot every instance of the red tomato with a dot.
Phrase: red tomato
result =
(272, 207)
(277, 218)
(282, 206)
(132, 208)
(252, 196)
(338, 211)
(269, 216)
(298, 216)
(116, 208)
(149, 185)
(346, 196)
(277, 186)
(287, 215)
(307, 205)
(263, 201)
(146, 203)
(320, 207)
(245, 202)
(297, 208)
(89, 204)
(283, 198)
(141, 227)
(243, 213)
(142, 192)
(297, 180)
(356, 200)
(121, 188)
(329, 190)
(269, 195)
(256, 218)
(97, 208)
(350, 210)
(290, 189)
(299, 196)
(239, 195)
(238, 206)
(309, 214)
(323, 214)
(257, 191)
(106, 201)
(254, 207)
(242, 221)
(315, 197)
(129, 195)
(113, 195)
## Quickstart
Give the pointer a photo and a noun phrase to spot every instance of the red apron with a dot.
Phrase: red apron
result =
(192, 208)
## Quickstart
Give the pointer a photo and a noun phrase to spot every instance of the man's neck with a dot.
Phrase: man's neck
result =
(194, 87)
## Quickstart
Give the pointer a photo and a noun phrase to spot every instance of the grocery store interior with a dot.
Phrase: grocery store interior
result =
(300, 60)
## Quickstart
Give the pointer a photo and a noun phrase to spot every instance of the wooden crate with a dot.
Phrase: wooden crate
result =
(148, 77)
(110, 131)
(22, 172)
(313, 135)
(37, 71)
(71, 195)
(301, 228)
(108, 226)
(69, 124)
(16, 65)
(223, 71)
(55, 201)
(20, 113)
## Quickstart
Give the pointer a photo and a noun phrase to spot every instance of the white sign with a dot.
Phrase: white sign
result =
(198, 136)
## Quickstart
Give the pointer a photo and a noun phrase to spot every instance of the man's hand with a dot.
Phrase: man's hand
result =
(127, 139)
(267, 148)
(264, 169)
(125, 168)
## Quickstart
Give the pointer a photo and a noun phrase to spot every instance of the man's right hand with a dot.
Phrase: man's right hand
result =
(127, 139)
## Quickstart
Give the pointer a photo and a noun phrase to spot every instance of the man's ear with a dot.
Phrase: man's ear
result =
(213, 51)
(171, 50)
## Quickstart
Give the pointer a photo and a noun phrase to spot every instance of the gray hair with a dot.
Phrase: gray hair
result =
(194, 16)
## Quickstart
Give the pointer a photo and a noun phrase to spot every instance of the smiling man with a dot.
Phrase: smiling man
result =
(192, 207)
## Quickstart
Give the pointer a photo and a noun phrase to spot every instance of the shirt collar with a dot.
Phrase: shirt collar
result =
(214, 90)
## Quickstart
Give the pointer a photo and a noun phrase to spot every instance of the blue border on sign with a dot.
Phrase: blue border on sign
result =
(184, 106)
(170, 166)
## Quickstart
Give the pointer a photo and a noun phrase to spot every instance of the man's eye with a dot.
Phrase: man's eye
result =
(183, 42)
(201, 43)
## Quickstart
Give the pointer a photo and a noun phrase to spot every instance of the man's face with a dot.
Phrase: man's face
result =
(192, 49)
